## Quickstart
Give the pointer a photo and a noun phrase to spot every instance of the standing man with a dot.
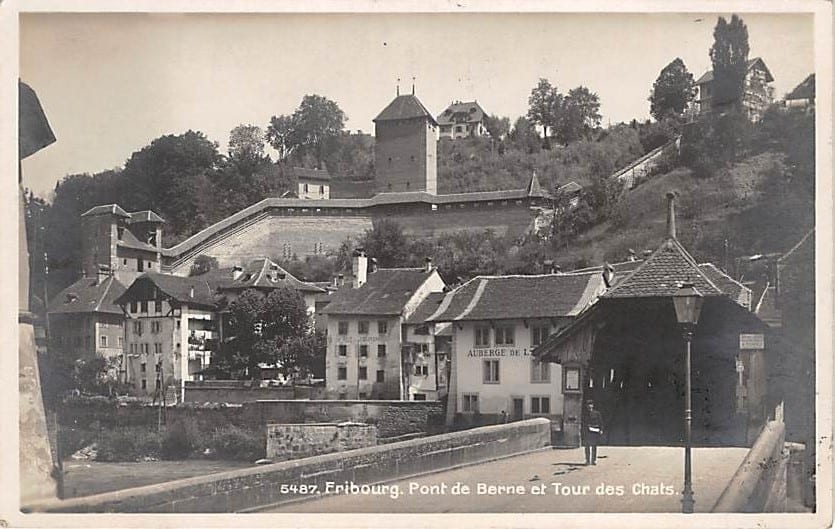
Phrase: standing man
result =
(592, 431)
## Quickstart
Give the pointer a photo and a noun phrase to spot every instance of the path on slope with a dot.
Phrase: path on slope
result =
(649, 479)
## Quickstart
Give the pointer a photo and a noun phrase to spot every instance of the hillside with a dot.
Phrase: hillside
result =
(751, 205)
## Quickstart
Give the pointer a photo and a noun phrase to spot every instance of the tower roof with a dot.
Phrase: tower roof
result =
(106, 209)
(405, 107)
(534, 189)
(145, 216)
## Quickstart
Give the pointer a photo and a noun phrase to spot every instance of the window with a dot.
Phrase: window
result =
(140, 265)
(419, 396)
(343, 327)
(491, 371)
(144, 384)
(157, 384)
(363, 373)
(381, 350)
(155, 327)
(143, 306)
(381, 376)
(120, 342)
(342, 373)
(363, 395)
(137, 328)
(144, 348)
(504, 335)
(134, 306)
(540, 371)
(469, 403)
(342, 396)
(143, 368)
(321, 190)
(158, 306)
(158, 348)
(362, 327)
(103, 341)
(364, 350)
(305, 188)
(343, 350)
(482, 336)
(421, 370)
(539, 333)
(540, 405)
(120, 232)
(571, 380)
(382, 327)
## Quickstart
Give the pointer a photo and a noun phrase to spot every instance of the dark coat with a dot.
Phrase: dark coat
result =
(592, 420)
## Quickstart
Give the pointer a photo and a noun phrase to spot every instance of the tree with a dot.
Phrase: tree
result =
(672, 92)
(385, 242)
(203, 263)
(524, 136)
(578, 115)
(729, 56)
(497, 127)
(543, 105)
(246, 147)
(262, 329)
(306, 132)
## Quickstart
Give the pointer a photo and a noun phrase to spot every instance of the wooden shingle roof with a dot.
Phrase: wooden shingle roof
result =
(405, 107)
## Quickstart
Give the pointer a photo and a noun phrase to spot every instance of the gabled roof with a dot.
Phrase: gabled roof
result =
(570, 188)
(106, 209)
(520, 296)
(405, 107)
(319, 175)
(462, 112)
(195, 291)
(662, 274)
(707, 77)
(728, 285)
(385, 293)
(534, 189)
(259, 273)
(427, 308)
(145, 216)
(805, 90)
(88, 295)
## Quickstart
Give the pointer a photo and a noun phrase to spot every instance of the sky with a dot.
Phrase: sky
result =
(111, 83)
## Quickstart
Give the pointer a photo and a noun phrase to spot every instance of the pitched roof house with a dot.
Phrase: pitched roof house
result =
(462, 119)
(757, 95)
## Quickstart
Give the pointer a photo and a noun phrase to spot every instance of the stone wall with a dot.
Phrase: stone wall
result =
(257, 487)
(392, 418)
(237, 391)
(293, 441)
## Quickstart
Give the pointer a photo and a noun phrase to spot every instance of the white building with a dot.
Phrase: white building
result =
(426, 351)
(497, 321)
(312, 183)
(462, 119)
(365, 323)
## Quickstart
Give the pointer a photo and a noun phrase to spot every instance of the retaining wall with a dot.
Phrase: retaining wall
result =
(294, 441)
(761, 478)
(260, 486)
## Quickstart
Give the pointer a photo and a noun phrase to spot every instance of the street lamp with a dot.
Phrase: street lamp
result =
(688, 304)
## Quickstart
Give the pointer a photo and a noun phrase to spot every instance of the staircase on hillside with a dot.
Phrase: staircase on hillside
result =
(640, 169)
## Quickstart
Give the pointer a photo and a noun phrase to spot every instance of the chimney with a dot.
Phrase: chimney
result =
(102, 273)
(237, 271)
(608, 274)
(359, 267)
(427, 264)
(671, 215)
(372, 265)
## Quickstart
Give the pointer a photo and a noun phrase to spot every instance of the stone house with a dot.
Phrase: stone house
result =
(497, 322)
(426, 351)
(312, 183)
(462, 119)
(366, 325)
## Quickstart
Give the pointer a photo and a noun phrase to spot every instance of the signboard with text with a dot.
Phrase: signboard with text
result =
(752, 341)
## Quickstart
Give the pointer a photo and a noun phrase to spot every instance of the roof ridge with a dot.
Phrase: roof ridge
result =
(693, 262)
(104, 294)
(482, 286)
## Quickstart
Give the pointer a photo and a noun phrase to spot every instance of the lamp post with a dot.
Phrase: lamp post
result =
(688, 304)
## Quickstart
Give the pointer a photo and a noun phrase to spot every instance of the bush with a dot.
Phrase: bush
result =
(232, 442)
(178, 441)
(127, 444)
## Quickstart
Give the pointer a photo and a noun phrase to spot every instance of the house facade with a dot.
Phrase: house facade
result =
(758, 94)
(462, 119)
(312, 183)
(497, 322)
(365, 329)
(426, 351)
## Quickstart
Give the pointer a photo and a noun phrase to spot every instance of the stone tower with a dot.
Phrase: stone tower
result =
(405, 153)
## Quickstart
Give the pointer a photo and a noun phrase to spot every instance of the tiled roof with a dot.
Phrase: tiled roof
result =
(106, 209)
(145, 216)
(405, 107)
(466, 112)
(708, 75)
(621, 269)
(534, 189)
(129, 240)
(88, 295)
(570, 188)
(385, 293)
(662, 274)
(520, 296)
(260, 273)
(728, 285)
(805, 90)
(188, 290)
(303, 173)
(427, 308)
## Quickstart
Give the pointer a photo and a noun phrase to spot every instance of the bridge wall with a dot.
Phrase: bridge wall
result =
(259, 487)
